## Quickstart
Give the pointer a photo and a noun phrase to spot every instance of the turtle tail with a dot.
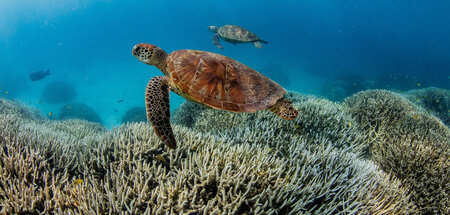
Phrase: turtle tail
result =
(284, 109)
(263, 41)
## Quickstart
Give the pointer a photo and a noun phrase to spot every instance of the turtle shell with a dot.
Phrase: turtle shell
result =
(220, 82)
(235, 33)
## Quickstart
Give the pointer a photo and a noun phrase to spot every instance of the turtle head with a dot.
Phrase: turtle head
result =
(213, 29)
(150, 54)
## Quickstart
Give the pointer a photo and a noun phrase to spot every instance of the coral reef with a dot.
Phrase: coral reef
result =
(58, 92)
(127, 170)
(318, 118)
(435, 100)
(187, 113)
(409, 143)
(79, 111)
(134, 114)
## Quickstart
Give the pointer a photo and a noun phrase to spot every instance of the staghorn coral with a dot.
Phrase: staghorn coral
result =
(127, 170)
(27, 184)
(187, 113)
(10, 107)
(409, 143)
(318, 118)
(435, 100)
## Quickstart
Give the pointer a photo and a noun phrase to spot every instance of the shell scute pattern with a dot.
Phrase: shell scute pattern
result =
(233, 33)
(221, 82)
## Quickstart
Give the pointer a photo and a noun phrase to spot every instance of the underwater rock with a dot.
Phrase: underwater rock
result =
(58, 92)
(435, 100)
(79, 111)
(135, 114)
(129, 169)
(408, 143)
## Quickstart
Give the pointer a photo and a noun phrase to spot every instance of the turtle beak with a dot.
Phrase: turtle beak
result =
(139, 52)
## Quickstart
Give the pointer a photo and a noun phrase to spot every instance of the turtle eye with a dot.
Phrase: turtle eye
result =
(136, 50)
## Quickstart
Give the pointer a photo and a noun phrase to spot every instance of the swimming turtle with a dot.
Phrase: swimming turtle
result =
(234, 34)
(207, 78)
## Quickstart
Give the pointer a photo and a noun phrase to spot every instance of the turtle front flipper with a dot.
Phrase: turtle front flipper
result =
(158, 109)
(216, 41)
(284, 109)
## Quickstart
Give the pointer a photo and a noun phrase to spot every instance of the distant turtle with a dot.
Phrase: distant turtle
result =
(234, 34)
(207, 78)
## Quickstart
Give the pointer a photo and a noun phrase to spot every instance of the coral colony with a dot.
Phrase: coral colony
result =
(374, 153)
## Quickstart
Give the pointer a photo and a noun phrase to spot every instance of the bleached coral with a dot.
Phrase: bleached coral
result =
(317, 119)
(127, 170)
(409, 143)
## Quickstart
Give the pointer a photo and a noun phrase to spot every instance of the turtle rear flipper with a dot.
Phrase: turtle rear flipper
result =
(258, 44)
(158, 109)
(284, 109)
(216, 41)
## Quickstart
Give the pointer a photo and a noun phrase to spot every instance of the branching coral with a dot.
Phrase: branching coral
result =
(317, 119)
(187, 113)
(435, 100)
(409, 143)
(127, 170)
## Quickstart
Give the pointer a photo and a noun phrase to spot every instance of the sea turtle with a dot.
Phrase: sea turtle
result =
(234, 34)
(207, 78)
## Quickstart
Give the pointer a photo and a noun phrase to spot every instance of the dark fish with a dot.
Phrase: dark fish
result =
(120, 101)
(38, 75)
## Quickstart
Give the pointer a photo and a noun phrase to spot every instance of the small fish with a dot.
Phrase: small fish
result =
(50, 113)
(38, 75)
(40, 102)
(77, 182)
(415, 117)
(437, 100)
(120, 101)
(13, 100)
(161, 158)
(418, 84)
(69, 107)
(6, 92)
(349, 124)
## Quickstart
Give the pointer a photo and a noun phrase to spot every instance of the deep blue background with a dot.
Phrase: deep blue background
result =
(311, 43)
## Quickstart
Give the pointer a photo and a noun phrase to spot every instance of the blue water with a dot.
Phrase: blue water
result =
(313, 45)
